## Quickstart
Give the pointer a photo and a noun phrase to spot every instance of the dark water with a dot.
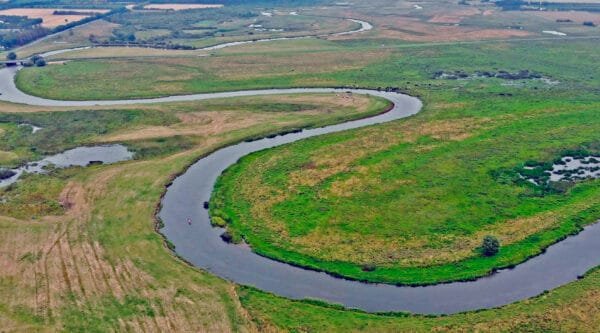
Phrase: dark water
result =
(81, 156)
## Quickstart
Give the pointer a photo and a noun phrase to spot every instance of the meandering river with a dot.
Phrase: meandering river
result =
(364, 26)
(199, 243)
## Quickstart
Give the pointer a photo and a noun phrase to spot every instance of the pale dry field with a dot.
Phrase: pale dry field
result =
(319, 62)
(454, 17)
(125, 52)
(75, 37)
(440, 23)
(212, 123)
(47, 15)
(416, 30)
(49, 260)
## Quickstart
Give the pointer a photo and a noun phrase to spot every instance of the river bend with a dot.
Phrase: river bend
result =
(200, 244)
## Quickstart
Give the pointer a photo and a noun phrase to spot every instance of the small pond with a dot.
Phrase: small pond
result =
(81, 156)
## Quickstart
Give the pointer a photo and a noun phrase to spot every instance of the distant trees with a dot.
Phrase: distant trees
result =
(20, 30)
(490, 246)
(41, 62)
(36, 60)
(23, 36)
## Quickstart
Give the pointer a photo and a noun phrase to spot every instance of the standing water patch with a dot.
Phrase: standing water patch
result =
(81, 156)
(567, 169)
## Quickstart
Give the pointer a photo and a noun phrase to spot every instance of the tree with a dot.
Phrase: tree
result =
(40, 62)
(11, 56)
(490, 245)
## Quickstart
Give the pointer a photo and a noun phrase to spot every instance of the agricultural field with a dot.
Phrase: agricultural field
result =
(76, 37)
(408, 202)
(52, 17)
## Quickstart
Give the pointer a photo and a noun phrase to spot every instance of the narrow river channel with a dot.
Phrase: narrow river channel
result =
(199, 243)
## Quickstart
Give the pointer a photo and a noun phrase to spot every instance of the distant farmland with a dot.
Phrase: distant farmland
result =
(50, 19)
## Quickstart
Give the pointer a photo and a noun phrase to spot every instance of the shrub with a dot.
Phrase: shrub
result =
(40, 62)
(218, 221)
(35, 58)
(11, 56)
(368, 267)
(490, 246)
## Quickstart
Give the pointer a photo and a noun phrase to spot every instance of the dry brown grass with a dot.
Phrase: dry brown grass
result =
(53, 261)
(7, 156)
(575, 16)
(415, 30)
(260, 66)
(126, 52)
(454, 16)
(47, 15)
(196, 123)
(42, 261)
(208, 123)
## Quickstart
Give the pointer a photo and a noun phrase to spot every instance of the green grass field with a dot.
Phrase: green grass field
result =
(407, 202)
(562, 310)
(424, 222)
(415, 198)
(135, 286)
